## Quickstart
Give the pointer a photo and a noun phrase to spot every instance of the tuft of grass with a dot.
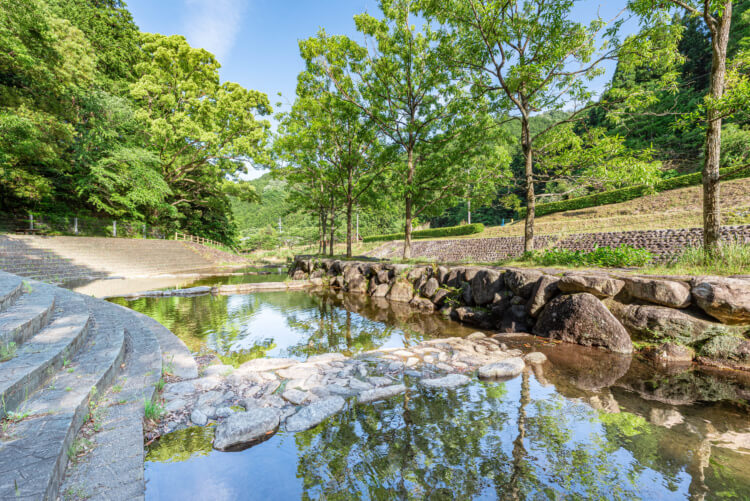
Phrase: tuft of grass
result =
(731, 259)
(7, 351)
(623, 256)
(152, 410)
(160, 385)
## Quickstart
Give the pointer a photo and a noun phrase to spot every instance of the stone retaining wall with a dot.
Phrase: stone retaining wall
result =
(680, 318)
(664, 244)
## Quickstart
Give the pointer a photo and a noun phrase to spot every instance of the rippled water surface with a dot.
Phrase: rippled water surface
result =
(585, 425)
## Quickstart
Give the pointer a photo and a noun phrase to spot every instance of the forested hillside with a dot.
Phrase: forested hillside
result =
(100, 119)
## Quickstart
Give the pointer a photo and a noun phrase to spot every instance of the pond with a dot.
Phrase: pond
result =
(585, 425)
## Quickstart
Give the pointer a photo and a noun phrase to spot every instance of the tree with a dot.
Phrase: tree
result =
(528, 57)
(717, 15)
(419, 105)
(203, 131)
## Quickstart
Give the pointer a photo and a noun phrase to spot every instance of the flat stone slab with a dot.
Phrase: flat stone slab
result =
(381, 393)
(315, 413)
(245, 428)
(268, 364)
(450, 382)
(510, 367)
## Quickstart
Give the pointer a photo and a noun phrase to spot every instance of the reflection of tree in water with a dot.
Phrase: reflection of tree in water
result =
(181, 445)
(329, 328)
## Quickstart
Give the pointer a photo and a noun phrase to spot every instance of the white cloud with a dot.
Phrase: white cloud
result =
(214, 24)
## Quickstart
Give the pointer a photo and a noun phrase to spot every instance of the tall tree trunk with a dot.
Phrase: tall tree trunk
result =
(333, 227)
(324, 219)
(711, 185)
(529, 175)
(409, 208)
(349, 205)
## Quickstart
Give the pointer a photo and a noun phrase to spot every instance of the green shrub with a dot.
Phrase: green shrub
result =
(451, 231)
(733, 258)
(605, 257)
(625, 194)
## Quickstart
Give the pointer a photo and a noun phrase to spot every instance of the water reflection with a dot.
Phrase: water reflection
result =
(290, 324)
(518, 439)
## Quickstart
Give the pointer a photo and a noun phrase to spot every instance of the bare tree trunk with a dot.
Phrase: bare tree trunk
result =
(711, 176)
(529, 175)
(407, 226)
(333, 227)
(349, 204)
(324, 219)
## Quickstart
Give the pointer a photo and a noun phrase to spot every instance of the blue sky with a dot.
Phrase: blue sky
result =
(256, 40)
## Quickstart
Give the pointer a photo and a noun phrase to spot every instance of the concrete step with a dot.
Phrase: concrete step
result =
(10, 289)
(28, 314)
(39, 358)
(35, 450)
(113, 469)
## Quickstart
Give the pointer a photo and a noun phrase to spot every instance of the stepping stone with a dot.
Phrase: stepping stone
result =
(315, 413)
(507, 368)
(245, 428)
(448, 382)
(381, 393)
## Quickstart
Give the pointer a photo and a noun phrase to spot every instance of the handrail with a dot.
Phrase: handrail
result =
(185, 237)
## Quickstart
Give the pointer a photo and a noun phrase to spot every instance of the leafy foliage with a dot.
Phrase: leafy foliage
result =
(607, 257)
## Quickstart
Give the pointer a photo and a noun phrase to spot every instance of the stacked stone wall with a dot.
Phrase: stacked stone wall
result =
(663, 244)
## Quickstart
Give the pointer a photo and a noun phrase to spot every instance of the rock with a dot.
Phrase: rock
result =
(299, 275)
(206, 383)
(440, 297)
(295, 397)
(672, 353)
(198, 417)
(315, 413)
(402, 291)
(245, 428)
(479, 317)
(380, 393)
(381, 290)
(442, 274)
(222, 412)
(515, 319)
(476, 335)
(599, 285)
(326, 358)
(268, 364)
(357, 385)
(726, 299)
(484, 286)
(535, 357)
(380, 381)
(448, 382)
(396, 366)
(583, 319)
(218, 370)
(664, 292)
(466, 295)
(728, 351)
(430, 287)
(183, 388)
(175, 405)
(209, 398)
(423, 304)
(510, 367)
(454, 278)
(656, 323)
(357, 284)
(522, 282)
(299, 371)
(545, 289)
(337, 389)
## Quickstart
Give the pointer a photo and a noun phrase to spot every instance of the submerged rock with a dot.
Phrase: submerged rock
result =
(246, 428)
(535, 357)
(449, 382)
(510, 367)
(315, 413)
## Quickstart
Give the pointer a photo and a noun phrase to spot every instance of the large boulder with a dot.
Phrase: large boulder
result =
(357, 283)
(522, 282)
(242, 429)
(654, 290)
(599, 285)
(656, 323)
(479, 317)
(583, 319)
(383, 276)
(402, 291)
(422, 303)
(454, 278)
(484, 286)
(381, 290)
(726, 299)
(515, 319)
(545, 289)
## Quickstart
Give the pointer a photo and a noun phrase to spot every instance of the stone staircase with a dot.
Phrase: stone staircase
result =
(64, 259)
(71, 360)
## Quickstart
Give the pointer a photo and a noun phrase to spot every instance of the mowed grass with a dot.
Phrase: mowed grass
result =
(673, 209)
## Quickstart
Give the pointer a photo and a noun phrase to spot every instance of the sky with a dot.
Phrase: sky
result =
(256, 41)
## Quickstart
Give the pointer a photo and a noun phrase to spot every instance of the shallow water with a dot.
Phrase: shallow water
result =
(585, 425)
(292, 324)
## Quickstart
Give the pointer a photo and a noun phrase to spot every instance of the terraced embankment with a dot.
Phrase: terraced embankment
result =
(64, 259)
(70, 360)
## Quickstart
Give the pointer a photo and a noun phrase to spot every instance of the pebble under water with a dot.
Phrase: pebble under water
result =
(585, 425)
